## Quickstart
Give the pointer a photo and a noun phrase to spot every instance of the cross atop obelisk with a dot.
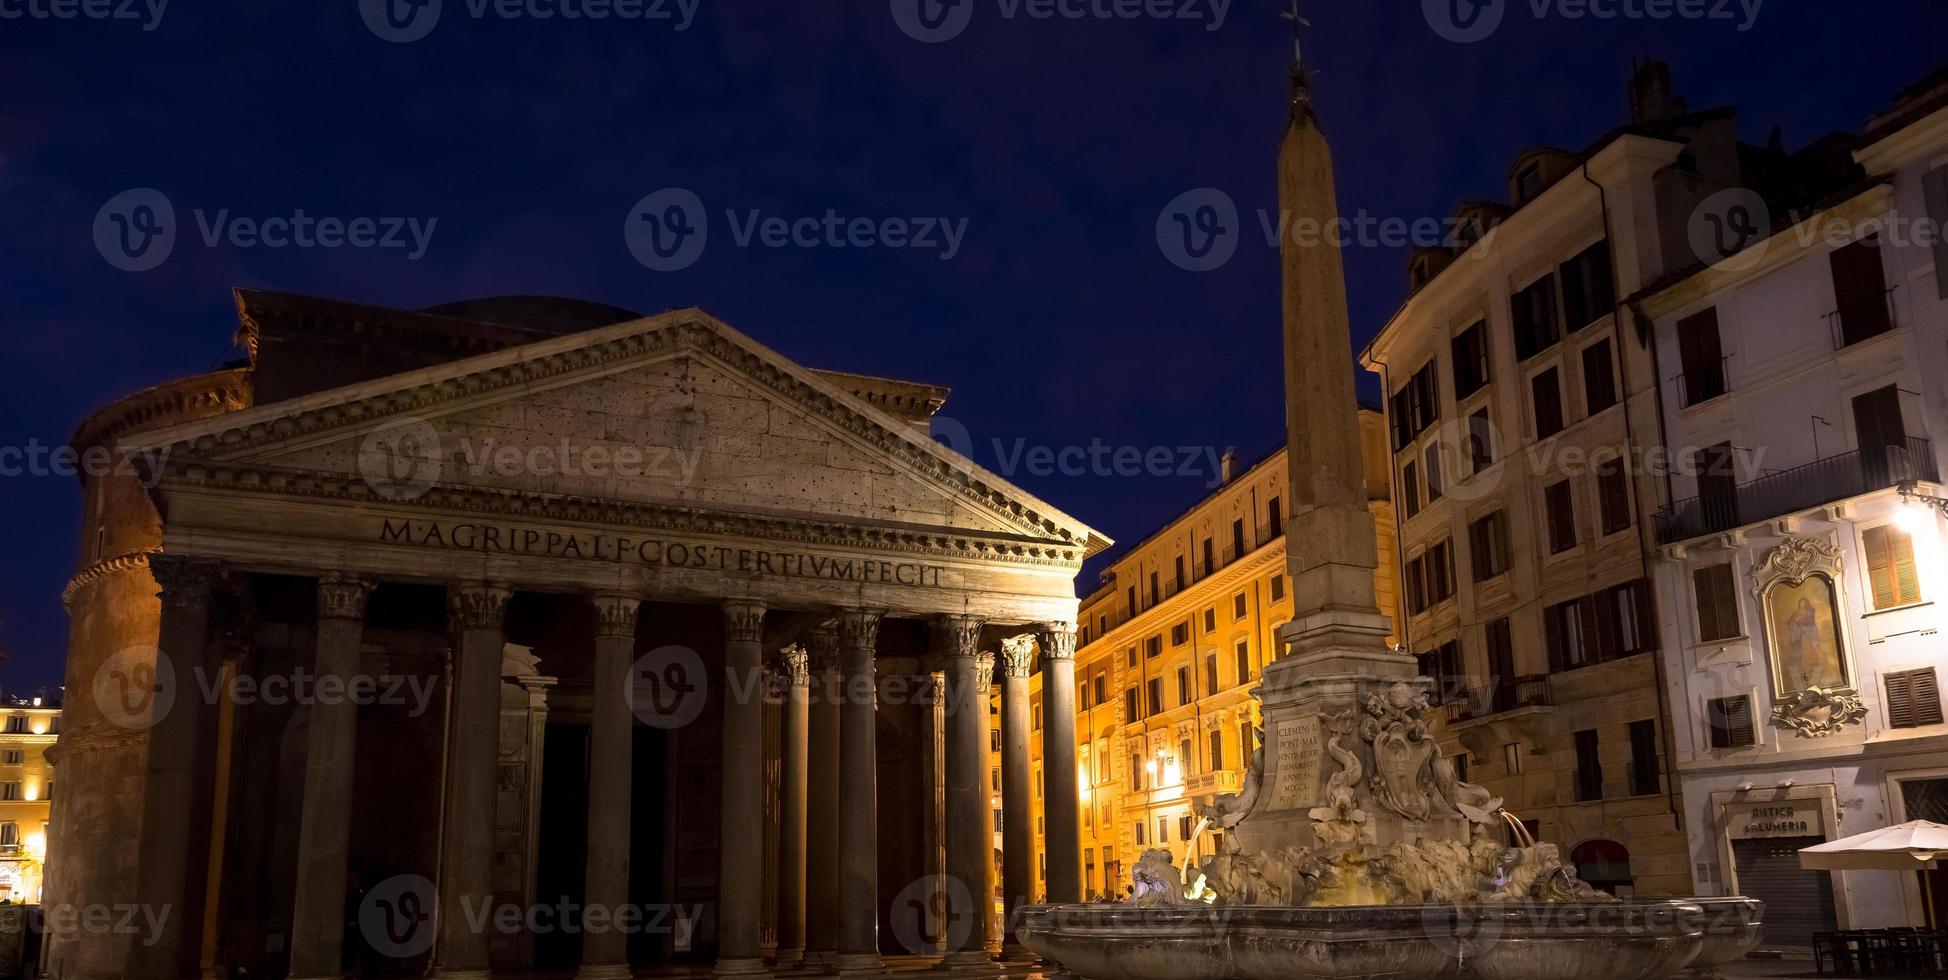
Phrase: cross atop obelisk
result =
(1301, 71)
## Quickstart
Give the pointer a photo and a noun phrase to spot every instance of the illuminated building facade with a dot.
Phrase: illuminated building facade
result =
(26, 793)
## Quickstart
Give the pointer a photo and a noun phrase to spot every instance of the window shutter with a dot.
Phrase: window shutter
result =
(1741, 720)
(1731, 722)
(1552, 625)
(1900, 699)
(1880, 566)
(1907, 583)
(1927, 697)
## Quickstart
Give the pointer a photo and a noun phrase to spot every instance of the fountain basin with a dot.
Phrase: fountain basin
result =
(1733, 927)
(1589, 941)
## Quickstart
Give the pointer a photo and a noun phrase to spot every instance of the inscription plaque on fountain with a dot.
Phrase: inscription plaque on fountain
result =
(1297, 764)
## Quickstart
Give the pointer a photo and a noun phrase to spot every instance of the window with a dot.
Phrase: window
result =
(1210, 556)
(9, 834)
(994, 740)
(17, 724)
(1132, 708)
(1471, 371)
(1537, 327)
(1589, 768)
(1717, 599)
(13, 757)
(1501, 664)
(1567, 626)
(1037, 715)
(1913, 698)
(1153, 647)
(1588, 290)
(1163, 830)
(1237, 539)
(1717, 469)
(1082, 695)
(1559, 504)
(1613, 496)
(1183, 827)
(1512, 758)
(1643, 758)
(1139, 833)
(1210, 619)
(1178, 584)
(1244, 662)
(1481, 442)
(1433, 473)
(1275, 517)
(1156, 695)
(1156, 593)
(1278, 588)
(1211, 673)
(1445, 669)
(1882, 434)
(1133, 607)
(1179, 634)
(1102, 686)
(1860, 285)
(1416, 407)
(10, 791)
(1410, 487)
(1547, 391)
(1599, 377)
(1440, 573)
(1186, 762)
(1238, 606)
(1416, 576)
(1731, 722)
(1702, 354)
(1528, 183)
(1185, 692)
(1488, 546)
(1625, 622)
(1890, 567)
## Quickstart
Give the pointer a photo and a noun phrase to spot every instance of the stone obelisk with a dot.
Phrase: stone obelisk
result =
(1334, 655)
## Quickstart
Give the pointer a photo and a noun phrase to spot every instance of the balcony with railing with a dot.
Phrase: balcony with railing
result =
(1861, 318)
(1702, 381)
(1501, 698)
(1801, 488)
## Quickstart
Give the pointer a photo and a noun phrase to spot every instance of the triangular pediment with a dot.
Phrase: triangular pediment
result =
(677, 410)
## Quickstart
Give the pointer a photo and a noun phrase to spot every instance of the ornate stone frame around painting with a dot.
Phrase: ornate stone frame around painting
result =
(1793, 562)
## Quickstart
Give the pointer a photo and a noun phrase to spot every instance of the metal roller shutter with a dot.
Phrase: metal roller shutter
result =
(1798, 902)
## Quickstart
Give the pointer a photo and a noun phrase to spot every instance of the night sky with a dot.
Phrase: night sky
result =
(1059, 321)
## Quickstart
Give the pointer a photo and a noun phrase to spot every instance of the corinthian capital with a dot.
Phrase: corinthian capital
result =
(743, 621)
(185, 582)
(1058, 641)
(1018, 655)
(342, 596)
(615, 614)
(984, 672)
(795, 662)
(959, 636)
(859, 629)
(478, 605)
(825, 650)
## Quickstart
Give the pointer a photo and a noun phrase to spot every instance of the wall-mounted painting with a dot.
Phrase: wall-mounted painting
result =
(1799, 584)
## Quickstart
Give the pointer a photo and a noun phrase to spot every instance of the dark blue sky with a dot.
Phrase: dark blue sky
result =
(1059, 322)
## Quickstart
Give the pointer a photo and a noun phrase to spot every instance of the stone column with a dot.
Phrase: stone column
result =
(740, 880)
(175, 707)
(611, 764)
(791, 835)
(477, 614)
(822, 805)
(1017, 784)
(970, 833)
(1061, 803)
(324, 826)
(858, 911)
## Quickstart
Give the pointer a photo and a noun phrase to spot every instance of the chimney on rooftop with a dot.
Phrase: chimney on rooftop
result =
(1653, 98)
(1229, 465)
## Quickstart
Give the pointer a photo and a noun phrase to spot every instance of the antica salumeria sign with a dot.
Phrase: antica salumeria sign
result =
(501, 539)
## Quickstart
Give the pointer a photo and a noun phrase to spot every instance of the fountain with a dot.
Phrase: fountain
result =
(1353, 849)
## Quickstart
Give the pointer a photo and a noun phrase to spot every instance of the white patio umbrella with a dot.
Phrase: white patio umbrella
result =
(1912, 846)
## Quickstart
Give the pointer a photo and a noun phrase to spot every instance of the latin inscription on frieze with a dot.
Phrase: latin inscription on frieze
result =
(1296, 764)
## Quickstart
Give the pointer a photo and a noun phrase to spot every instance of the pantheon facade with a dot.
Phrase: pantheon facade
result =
(533, 634)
